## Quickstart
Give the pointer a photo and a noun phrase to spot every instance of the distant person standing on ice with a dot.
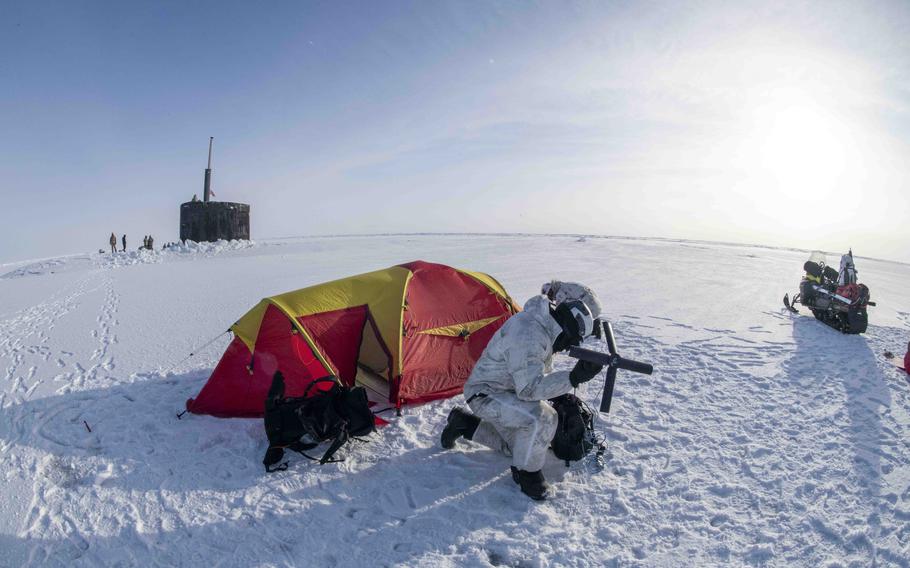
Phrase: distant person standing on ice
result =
(512, 381)
(113, 242)
(124, 242)
(151, 243)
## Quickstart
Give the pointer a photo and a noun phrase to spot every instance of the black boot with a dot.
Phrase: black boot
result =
(532, 483)
(460, 423)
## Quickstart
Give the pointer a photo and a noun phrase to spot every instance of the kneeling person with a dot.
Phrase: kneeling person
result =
(512, 381)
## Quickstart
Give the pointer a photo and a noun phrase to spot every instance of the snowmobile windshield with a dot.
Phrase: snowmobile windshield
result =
(818, 257)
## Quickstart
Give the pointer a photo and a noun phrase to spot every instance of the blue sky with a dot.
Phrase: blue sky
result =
(783, 123)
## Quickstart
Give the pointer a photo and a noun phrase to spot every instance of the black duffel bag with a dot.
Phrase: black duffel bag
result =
(302, 423)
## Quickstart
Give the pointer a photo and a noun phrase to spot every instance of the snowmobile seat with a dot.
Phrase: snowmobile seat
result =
(812, 269)
(807, 291)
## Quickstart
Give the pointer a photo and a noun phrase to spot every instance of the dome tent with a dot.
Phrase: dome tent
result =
(411, 332)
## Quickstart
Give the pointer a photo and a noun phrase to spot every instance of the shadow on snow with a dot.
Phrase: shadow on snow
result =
(383, 506)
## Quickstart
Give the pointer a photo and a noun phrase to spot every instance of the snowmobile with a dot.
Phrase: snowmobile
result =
(834, 297)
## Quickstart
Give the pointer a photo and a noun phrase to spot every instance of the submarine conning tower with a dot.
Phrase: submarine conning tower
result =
(209, 220)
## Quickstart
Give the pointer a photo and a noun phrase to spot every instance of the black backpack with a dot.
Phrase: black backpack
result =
(302, 423)
(575, 435)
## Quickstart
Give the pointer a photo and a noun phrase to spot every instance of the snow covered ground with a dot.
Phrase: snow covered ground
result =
(761, 438)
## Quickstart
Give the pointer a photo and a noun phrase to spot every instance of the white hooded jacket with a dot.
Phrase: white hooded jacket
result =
(519, 357)
(563, 291)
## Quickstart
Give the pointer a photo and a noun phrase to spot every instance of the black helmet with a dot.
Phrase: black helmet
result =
(576, 321)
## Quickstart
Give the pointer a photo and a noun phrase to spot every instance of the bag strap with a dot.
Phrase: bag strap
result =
(272, 456)
(340, 440)
(329, 379)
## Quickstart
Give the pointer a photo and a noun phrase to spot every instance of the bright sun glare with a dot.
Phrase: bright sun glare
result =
(798, 149)
(801, 145)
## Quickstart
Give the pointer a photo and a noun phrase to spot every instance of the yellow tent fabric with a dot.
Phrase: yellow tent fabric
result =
(382, 291)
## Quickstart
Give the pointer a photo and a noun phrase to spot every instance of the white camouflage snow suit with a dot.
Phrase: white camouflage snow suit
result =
(560, 292)
(511, 383)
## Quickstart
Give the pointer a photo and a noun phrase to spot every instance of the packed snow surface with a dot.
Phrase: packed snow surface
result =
(762, 438)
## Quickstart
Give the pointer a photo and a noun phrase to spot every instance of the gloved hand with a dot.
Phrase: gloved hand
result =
(583, 372)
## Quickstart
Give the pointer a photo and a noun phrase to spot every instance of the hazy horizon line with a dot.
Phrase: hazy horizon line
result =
(505, 234)
(578, 235)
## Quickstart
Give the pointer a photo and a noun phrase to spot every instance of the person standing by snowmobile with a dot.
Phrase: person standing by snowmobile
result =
(512, 381)
(113, 241)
